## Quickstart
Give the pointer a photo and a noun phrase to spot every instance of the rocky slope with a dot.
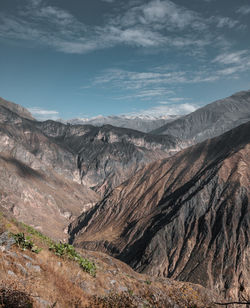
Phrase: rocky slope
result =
(16, 108)
(39, 179)
(50, 278)
(49, 171)
(107, 155)
(142, 123)
(212, 120)
(185, 217)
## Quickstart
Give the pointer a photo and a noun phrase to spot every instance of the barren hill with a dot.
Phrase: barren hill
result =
(211, 120)
(185, 217)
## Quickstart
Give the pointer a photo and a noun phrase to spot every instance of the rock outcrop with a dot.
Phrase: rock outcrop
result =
(185, 217)
(21, 111)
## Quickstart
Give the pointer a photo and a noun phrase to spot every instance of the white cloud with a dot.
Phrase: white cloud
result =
(35, 2)
(43, 114)
(177, 99)
(244, 10)
(39, 111)
(226, 22)
(132, 80)
(148, 94)
(232, 63)
(168, 109)
(231, 58)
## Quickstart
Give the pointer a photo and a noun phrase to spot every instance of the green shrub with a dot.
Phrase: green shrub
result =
(68, 251)
(87, 266)
(25, 243)
(37, 233)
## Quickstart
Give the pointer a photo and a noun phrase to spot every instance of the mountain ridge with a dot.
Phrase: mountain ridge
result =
(210, 120)
(144, 123)
(183, 217)
(23, 112)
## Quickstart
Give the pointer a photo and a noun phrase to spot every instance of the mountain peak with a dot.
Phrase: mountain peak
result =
(21, 111)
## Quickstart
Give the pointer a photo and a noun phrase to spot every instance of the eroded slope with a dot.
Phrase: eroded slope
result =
(185, 217)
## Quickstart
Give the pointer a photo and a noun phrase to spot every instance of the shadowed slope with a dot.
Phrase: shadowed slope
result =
(107, 155)
(185, 217)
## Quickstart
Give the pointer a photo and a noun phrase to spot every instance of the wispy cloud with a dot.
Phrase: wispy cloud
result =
(132, 80)
(232, 58)
(244, 10)
(43, 114)
(152, 24)
(148, 94)
(233, 63)
(163, 82)
(224, 22)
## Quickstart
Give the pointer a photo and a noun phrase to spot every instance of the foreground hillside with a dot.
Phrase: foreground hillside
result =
(211, 120)
(37, 272)
(185, 217)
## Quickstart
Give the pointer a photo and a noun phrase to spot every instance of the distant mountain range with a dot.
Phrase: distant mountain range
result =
(143, 123)
(210, 121)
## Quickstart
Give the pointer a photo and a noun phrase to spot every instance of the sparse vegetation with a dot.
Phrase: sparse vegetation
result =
(61, 283)
(37, 233)
(25, 242)
(148, 282)
(68, 251)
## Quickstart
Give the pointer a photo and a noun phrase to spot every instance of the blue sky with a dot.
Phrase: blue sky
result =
(82, 58)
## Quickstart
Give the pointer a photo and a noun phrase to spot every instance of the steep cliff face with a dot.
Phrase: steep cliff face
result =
(107, 155)
(212, 120)
(185, 217)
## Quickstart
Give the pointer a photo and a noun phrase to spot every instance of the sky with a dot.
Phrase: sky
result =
(83, 58)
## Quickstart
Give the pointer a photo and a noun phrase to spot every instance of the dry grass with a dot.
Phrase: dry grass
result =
(63, 284)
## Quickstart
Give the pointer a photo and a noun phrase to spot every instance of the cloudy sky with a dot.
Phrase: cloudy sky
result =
(82, 58)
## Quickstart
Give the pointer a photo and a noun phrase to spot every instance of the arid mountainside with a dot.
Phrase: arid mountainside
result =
(16, 108)
(40, 273)
(185, 217)
(47, 168)
(211, 120)
(106, 156)
(37, 177)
